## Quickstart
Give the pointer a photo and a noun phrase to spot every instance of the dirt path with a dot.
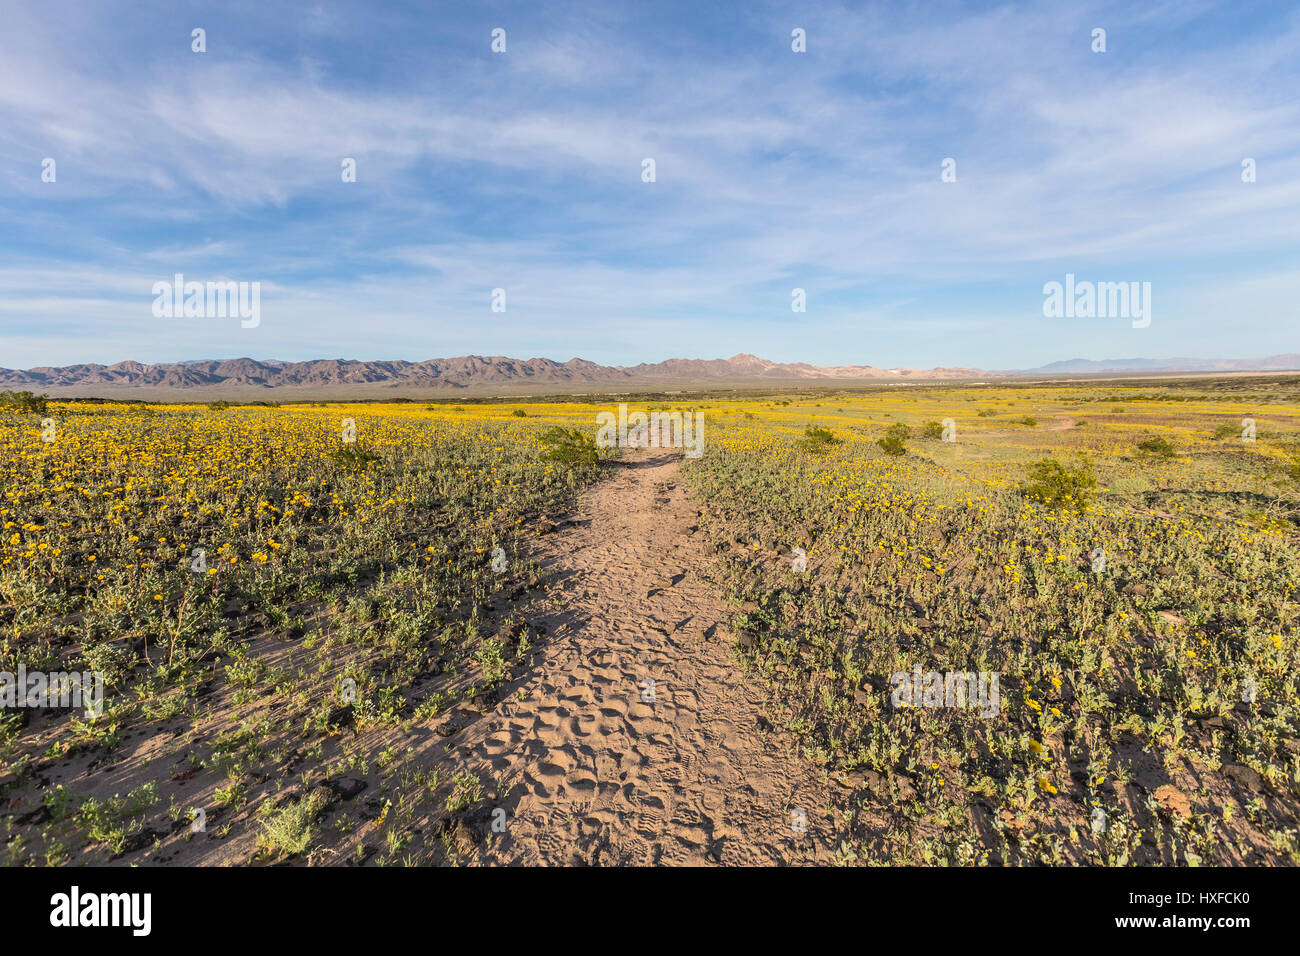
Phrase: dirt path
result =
(608, 769)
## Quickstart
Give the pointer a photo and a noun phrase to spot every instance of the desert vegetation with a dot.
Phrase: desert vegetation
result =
(267, 601)
(1136, 595)
(295, 608)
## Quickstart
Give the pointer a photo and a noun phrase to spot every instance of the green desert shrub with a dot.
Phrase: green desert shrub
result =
(350, 456)
(289, 829)
(1158, 446)
(25, 403)
(894, 441)
(818, 440)
(569, 446)
(1227, 430)
(1059, 485)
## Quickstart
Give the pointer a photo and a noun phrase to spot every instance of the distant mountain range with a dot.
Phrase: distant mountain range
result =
(498, 373)
(451, 373)
(1273, 363)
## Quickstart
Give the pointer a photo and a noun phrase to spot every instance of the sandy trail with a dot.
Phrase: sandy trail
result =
(609, 769)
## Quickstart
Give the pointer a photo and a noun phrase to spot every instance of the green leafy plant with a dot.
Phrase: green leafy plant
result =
(350, 456)
(1227, 430)
(932, 430)
(1158, 446)
(1059, 485)
(23, 402)
(818, 440)
(289, 829)
(894, 441)
(569, 446)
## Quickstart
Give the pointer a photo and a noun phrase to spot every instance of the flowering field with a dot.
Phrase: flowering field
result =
(287, 601)
(184, 551)
(1144, 635)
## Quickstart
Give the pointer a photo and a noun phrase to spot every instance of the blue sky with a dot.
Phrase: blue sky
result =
(774, 170)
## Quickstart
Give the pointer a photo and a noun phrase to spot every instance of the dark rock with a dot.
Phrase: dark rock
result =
(340, 717)
(347, 787)
(1244, 775)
